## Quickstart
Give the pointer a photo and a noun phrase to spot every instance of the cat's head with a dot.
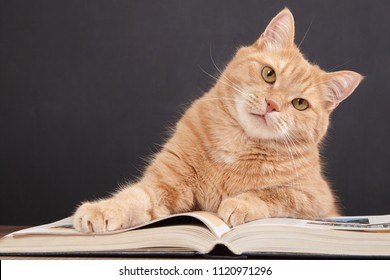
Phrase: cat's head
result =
(274, 92)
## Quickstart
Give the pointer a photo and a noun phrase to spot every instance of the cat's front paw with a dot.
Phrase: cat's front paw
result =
(99, 216)
(236, 211)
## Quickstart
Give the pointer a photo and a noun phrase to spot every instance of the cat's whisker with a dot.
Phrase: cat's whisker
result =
(224, 82)
(213, 61)
(287, 143)
(291, 157)
(291, 138)
(219, 98)
(304, 36)
(302, 158)
(341, 65)
(208, 74)
(225, 102)
(220, 71)
(298, 151)
(234, 85)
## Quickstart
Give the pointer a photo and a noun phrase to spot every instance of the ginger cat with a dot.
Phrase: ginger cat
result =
(247, 149)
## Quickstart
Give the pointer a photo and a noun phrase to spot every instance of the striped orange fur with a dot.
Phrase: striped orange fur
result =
(247, 149)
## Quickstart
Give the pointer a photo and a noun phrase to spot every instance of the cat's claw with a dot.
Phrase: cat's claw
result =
(235, 211)
(100, 216)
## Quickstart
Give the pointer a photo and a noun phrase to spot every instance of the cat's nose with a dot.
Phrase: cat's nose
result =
(272, 106)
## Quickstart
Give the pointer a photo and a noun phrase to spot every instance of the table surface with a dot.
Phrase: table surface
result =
(4, 230)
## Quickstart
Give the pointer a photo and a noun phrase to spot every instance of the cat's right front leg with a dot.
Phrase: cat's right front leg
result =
(129, 207)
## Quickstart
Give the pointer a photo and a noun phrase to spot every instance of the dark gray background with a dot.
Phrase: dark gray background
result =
(88, 88)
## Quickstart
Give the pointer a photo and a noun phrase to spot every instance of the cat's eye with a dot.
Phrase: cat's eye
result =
(268, 74)
(300, 104)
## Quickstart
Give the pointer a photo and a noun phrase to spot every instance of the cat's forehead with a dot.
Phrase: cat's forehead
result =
(286, 62)
(283, 61)
(290, 65)
(295, 66)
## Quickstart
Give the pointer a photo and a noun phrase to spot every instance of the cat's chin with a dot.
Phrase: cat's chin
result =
(259, 126)
(257, 123)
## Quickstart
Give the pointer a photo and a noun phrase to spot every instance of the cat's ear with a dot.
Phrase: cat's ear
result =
(279, 33)
(339, 85)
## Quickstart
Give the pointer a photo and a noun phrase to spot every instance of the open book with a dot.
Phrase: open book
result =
(201, 232)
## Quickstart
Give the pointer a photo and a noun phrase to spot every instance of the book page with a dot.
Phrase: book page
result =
(65, 226)
(212, 221)
(366, 223)
(357, 223)
(61, 227)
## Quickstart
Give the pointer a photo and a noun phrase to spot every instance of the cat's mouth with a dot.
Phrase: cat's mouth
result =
(260, 117)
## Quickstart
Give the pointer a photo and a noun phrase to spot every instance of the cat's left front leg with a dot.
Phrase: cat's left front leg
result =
(243, 208)
(276, 202)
